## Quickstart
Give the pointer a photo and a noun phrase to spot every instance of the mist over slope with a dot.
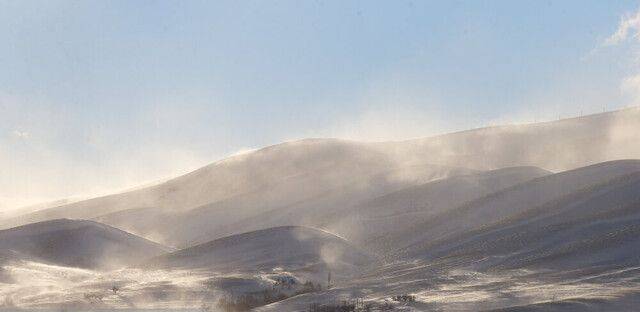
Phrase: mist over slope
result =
(473, 217)
(76, 243)
(592, 227)
(515, 200)
(299, 201)
(281, 175)
(319, 175)
(556, 145)
(561, 242)
(290, 247)
(374, 222)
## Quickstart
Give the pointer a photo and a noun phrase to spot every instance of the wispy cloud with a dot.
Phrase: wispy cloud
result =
(628, 31)
(629, 27)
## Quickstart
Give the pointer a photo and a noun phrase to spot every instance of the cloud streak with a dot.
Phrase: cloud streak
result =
(629, 27)
(628, 30)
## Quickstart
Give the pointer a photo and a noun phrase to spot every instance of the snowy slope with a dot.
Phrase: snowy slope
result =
(512, 201)
(290, 180)
(282, 247)
(77, 243)
(598, 226)
(574, 253)
(574, 248)
(369, 223)
(556, 145)
(257, 210)
(296, 173)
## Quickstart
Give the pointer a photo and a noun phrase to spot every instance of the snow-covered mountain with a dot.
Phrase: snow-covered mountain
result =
(307, 174)
(321, 176)
(497, 215)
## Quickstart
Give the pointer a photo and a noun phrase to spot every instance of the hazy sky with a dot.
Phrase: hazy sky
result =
(98, 96)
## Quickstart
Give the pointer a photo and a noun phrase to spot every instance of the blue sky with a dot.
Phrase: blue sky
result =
(102, 95)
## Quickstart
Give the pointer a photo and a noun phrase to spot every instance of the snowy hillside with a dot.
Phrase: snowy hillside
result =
(492, 208)
(316, 174)
(535, 216)
(380, 222)
(77, 243)
(598, 226)
(291, 248)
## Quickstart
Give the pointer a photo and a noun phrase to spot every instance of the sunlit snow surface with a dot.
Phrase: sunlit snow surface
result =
(33, 285)
(39, 285)
(460, 290)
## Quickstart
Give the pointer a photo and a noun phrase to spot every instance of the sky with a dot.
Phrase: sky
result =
(99, 96)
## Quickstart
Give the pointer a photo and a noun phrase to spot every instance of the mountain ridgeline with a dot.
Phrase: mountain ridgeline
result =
(561, 196)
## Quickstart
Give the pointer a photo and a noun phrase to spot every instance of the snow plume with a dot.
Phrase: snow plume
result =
(557, 146)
